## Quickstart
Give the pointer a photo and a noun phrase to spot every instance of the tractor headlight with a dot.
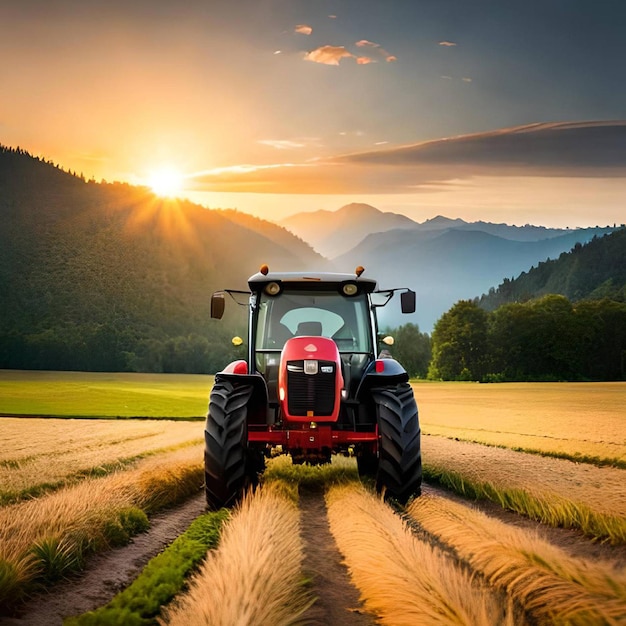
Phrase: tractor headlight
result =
(350, 289)
(272, 289)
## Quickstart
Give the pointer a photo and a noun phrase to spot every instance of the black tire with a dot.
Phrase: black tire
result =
(399, 459)
(226, 465)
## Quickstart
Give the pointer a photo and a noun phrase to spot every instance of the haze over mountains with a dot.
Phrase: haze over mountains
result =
(444, 260)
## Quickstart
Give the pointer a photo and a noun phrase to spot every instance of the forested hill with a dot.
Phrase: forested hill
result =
(108, 276)
(591, 271)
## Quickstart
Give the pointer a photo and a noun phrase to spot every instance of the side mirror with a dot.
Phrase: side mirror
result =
(218, 303)
(407, 301)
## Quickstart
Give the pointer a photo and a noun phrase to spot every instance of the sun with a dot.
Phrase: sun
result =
(166, 182)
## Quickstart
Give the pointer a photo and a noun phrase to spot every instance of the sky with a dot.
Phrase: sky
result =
(499, 110)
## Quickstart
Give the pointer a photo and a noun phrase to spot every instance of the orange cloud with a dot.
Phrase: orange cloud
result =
(364, 60)
(304, 29)
(282, 144)
(447, 43)
(364, 43)
(328, 55)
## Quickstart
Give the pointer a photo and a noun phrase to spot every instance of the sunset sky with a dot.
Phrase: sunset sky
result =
(506, 111)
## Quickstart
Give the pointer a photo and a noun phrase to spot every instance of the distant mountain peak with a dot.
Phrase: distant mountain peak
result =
(442, 221)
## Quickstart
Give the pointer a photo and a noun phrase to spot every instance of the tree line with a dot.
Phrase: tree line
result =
(547, 339)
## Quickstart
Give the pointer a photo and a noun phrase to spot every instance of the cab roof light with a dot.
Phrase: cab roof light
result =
(272, 289)
(349, 289)
(380, 366)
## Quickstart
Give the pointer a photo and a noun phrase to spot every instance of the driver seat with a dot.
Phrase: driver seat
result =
(309, 329)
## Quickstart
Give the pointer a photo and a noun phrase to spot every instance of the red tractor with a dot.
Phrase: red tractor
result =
(313, 384)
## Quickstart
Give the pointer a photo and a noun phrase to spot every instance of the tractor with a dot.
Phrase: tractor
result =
(315, 383)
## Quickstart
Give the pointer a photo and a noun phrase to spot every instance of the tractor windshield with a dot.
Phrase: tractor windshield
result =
(327, 314)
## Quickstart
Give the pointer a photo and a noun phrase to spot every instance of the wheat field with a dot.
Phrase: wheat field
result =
(576, 419)
(46, 453)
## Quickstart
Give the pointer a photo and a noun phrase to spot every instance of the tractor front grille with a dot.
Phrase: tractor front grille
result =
(311, 394)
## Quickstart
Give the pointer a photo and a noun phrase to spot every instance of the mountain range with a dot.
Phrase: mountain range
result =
(443, 260)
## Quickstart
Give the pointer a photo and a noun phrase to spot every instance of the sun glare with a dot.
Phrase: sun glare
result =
(167, 182)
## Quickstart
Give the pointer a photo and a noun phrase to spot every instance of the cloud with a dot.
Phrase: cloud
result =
(448, 44)
(328, 55)
(584, 149)
(466, 80)
(363, 43)
(364, 60)
(552, 148)
(282, 144)
(304, 29)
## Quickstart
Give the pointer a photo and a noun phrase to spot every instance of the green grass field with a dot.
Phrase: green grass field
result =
(91, 394)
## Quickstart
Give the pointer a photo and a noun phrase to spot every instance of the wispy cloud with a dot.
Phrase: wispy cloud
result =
(448, 44)
(364, 60)
(282, 144)
(328, 55)
(304, 29)
(585, 149)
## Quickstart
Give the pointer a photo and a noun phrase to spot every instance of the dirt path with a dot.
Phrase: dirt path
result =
(107, 574)
(337, 599)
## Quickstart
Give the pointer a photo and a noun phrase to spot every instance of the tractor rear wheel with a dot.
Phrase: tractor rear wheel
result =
(226, 465)
(399, 457)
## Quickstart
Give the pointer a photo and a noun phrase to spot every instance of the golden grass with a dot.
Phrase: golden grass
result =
(586, 419)
(83, 517)
(554, 587)
(552, 510)
(401, 579)
(44, 453)
(602, 489)
(254, 577)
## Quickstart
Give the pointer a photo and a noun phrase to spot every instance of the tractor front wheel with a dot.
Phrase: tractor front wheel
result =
(226, 455)
(399, 472)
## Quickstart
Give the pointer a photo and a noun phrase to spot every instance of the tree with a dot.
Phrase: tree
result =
(412, 349)
(537, 340)
(459, 343)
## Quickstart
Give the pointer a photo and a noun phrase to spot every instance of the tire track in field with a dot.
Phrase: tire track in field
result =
(337, 599)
